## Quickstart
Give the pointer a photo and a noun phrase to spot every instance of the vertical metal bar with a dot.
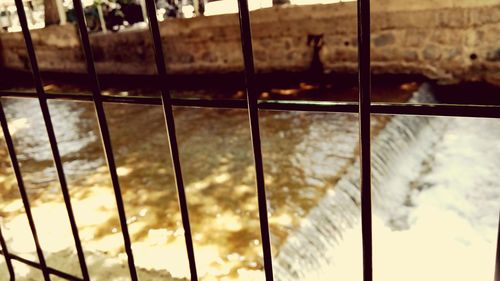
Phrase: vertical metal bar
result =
(105, 136)
(253, 113)
(6, 255)
(22, 191)
(497, 262)
(364, 134)
(51, 135)
(170, 124)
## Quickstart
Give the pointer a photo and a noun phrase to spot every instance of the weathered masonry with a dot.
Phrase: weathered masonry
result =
(449, 41)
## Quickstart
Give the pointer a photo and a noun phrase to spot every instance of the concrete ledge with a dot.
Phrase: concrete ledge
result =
(449, 41)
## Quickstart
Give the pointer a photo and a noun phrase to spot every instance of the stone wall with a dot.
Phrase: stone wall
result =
(446, 40)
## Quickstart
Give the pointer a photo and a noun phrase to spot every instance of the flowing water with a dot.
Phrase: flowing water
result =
(311, 177)
(436, 208)
(309, 251)
(304, 155)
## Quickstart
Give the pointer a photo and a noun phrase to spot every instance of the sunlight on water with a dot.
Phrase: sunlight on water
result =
(436, 198)
(219, 178)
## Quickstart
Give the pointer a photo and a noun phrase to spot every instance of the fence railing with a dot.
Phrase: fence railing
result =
(364, 107)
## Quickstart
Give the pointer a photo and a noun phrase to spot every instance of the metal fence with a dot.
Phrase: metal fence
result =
(364, 107)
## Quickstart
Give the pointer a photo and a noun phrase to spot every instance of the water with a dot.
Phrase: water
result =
(311, 182)
(312, 150)
(309, 250)
(436, 207)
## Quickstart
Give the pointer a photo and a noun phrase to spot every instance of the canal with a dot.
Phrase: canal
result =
(305, 157)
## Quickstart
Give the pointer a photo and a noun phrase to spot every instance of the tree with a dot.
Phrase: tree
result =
(54, 12)
(280, 2)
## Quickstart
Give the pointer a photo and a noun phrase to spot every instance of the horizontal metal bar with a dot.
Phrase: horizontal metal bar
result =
(451, 110)
(84, 97)
(438, 110)
(222, 104)
(51, 270)
(311, 106)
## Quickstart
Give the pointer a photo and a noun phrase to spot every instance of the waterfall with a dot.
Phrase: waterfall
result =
(311, 251)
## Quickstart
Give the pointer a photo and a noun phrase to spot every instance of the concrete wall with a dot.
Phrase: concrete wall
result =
(446, 40)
